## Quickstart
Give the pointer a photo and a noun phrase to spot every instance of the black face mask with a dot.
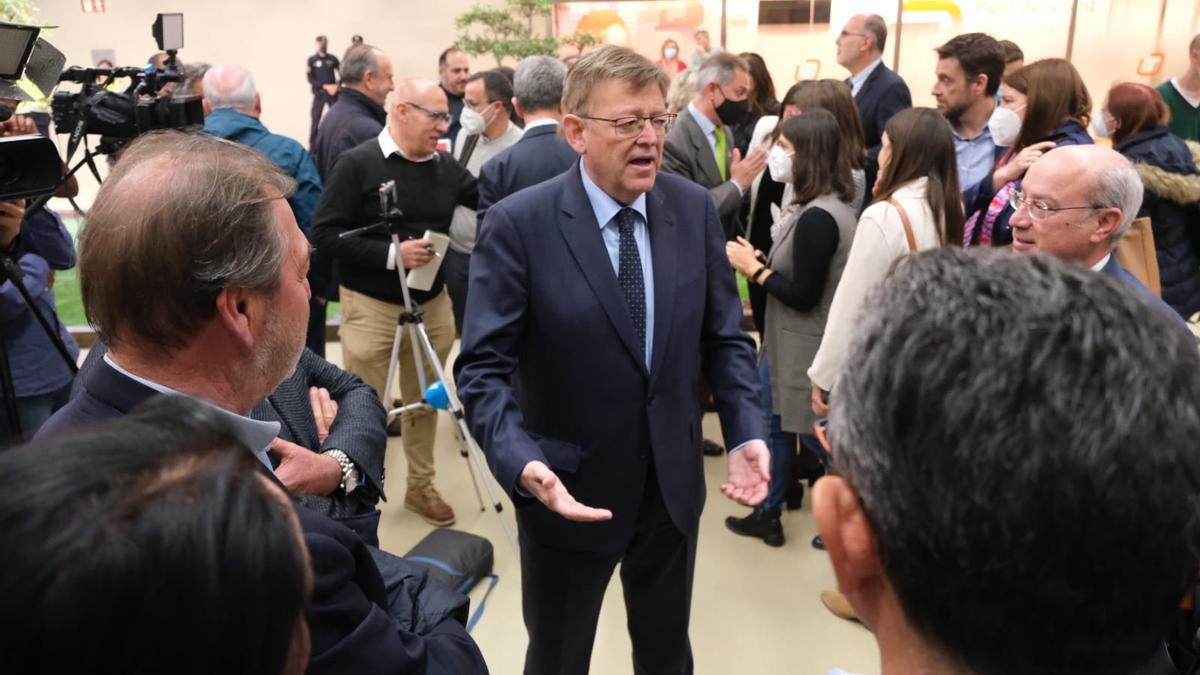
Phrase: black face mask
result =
(733, 113)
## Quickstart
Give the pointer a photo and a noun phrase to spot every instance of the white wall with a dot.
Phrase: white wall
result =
(271, 37)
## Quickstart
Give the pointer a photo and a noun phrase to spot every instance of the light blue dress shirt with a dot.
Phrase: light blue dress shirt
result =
(975, 157)
(606, 208)
(252, 433)
(857, 79)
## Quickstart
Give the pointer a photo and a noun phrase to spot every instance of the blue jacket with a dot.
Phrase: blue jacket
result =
(1172, 202)
(551, 368)
(37, 367)
(1068, 133)
(538, 156)
(352, 121)
(287, 154)
(1113, 269)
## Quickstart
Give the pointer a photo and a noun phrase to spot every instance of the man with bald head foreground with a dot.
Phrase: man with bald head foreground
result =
(431, 184)
(1075, 203)
(596, 297)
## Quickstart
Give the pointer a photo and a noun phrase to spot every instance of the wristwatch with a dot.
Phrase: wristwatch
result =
(350, 475)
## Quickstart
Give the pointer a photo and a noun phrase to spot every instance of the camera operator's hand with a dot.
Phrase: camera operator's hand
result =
(11, 215)
(416, 253)
(17, 125)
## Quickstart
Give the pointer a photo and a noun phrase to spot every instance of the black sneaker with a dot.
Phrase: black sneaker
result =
(712, 448)
(761, 523)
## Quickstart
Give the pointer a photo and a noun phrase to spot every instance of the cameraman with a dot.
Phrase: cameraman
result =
(39, 243)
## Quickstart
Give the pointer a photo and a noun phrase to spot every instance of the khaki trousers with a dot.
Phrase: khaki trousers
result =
(368, 328)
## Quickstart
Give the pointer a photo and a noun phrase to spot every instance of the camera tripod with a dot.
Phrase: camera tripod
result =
(438, 395)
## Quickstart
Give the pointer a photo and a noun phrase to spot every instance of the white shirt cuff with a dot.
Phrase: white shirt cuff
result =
(741, 192)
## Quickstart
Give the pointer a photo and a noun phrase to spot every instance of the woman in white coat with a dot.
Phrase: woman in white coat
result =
(916, 207)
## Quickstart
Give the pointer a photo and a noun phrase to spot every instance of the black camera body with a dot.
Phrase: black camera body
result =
(120, 116)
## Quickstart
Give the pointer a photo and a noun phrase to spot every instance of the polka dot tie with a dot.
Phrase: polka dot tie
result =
(629, 273)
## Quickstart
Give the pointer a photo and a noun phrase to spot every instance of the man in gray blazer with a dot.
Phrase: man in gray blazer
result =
(700, 146)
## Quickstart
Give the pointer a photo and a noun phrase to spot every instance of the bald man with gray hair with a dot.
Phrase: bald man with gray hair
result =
(232, 108)
(1076, 203)
(431, 184)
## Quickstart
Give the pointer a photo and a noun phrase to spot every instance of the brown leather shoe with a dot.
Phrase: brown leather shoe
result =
(838, 605)
(427, 503)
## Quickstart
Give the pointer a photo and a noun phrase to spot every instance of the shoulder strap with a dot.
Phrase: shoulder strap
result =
(908, 232)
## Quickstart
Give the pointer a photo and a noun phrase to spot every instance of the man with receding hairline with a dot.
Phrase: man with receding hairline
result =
(596, 297)
(431, 184)
(879, 93)
(224, 324)
(453, 71)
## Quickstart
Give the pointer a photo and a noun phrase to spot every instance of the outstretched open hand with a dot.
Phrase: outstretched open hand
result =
(749, 474)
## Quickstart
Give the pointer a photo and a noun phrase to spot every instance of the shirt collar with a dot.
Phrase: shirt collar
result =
(706, 124)
(863, 74)
(986, 133)
(388, 145)
(254, 434)
(1098, 267)
(603, 205)
(545, 122)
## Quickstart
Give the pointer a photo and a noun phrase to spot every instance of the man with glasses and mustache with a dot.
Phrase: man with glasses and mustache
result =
(594, 298)
(431, 183)
(1075, 203)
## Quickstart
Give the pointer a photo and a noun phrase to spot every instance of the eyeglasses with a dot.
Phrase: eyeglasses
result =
(847, 33)
(1039, 211)
(434, 114)
(631, 126)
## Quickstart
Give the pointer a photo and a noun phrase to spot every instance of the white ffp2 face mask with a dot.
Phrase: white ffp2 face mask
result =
(1005, 126)
(1100, 126)
(779, 163)
(471, 121)
(670, 52)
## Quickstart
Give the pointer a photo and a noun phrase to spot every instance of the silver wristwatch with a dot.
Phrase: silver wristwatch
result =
(350, 476)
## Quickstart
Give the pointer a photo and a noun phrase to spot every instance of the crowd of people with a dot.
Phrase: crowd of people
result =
(989, 388)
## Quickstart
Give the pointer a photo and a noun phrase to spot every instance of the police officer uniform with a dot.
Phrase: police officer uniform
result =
(322, 70)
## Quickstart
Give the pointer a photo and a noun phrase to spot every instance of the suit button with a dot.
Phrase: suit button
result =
(651, 402)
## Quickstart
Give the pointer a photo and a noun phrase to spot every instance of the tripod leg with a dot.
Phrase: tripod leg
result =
(475, 453)
(392, 365)
(10, 395)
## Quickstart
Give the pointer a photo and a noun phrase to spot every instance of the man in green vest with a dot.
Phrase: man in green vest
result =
(1182, 94)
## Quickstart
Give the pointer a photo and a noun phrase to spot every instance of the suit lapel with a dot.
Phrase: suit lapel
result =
(663, 248)
(869, 83)
(704, 151)
(582, 234)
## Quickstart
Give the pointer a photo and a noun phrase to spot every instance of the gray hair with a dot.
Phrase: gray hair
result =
(994, 485)
(229, 87)
(538, 83)
(683, 90)
(359, 59)
(1118, 185)
(720, 68)
(876, 27)
(180, 218)
(609, 63)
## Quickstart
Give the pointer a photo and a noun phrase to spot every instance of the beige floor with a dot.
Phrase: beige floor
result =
(755, 608)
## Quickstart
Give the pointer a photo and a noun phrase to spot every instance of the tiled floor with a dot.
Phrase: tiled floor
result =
(755, 608)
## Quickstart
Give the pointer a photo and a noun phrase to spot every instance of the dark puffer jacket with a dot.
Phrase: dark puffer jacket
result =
(1169, 172)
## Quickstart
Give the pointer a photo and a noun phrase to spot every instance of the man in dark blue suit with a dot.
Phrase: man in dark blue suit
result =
(878, 91)
(223, 323)
(596, 298)
(540, 154)
(1075, 203)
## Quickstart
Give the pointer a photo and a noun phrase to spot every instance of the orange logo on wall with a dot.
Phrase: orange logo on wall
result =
(1151, 64)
